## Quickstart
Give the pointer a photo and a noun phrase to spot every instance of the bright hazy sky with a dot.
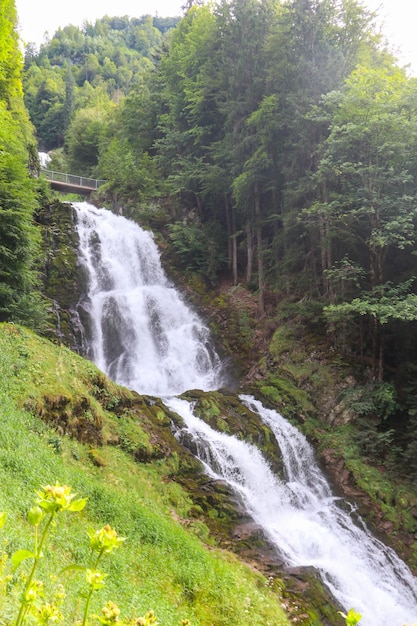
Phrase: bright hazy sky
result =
(399, 18)
(38, 16)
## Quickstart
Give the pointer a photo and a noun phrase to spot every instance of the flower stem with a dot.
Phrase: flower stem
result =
(87, 606)
(38, 550)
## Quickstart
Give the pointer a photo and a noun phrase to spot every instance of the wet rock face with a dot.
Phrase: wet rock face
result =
(62, 279)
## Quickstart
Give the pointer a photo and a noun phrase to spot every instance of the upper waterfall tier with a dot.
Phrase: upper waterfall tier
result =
(142, 333)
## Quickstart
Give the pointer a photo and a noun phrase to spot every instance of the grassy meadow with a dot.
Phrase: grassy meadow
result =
(58, 425)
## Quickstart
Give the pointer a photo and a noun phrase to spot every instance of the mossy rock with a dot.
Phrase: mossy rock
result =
(62, 280)
(286, 397)
(224, 412)
(77, 417)
(307, 600)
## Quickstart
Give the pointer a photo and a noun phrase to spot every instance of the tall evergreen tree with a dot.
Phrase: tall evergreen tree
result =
(314, 46)
(368, 204)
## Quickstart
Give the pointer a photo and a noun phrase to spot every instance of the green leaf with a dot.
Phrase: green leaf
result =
(19, 556)
(2, 519)
(48, 506)
(77, 505)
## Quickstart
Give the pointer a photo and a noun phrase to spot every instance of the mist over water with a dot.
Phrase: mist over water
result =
(144, 336)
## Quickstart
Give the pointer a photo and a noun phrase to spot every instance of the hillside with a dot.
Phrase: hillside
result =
(62, 420)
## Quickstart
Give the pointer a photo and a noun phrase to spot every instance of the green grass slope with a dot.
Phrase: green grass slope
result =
(59, 424)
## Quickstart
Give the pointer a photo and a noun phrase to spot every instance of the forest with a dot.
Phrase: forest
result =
(272, 146)
(277, 142)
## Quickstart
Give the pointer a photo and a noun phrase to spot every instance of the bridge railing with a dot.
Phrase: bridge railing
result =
(71, 179)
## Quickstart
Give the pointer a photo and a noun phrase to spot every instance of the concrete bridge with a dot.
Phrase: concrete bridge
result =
(69, 183)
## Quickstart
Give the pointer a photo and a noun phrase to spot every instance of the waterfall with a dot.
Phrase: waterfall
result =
(142, 334)
(302, 518)
(44, 159)
(145, 337)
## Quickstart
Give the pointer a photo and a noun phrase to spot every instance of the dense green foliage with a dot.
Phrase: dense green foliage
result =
(18, 159)
(87, 68)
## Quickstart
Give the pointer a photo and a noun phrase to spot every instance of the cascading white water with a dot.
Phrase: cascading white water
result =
(142, 333)
(303, 519)
(146, 338)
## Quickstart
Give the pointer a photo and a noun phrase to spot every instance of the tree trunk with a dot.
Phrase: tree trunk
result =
(230, 232)
(323, 256)
(261, 284)
(259, 251)
(249, 252)
(374, 348)
(234, 247)
(380, 373)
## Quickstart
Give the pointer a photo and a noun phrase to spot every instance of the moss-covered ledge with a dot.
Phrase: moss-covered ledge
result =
(60, 272)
